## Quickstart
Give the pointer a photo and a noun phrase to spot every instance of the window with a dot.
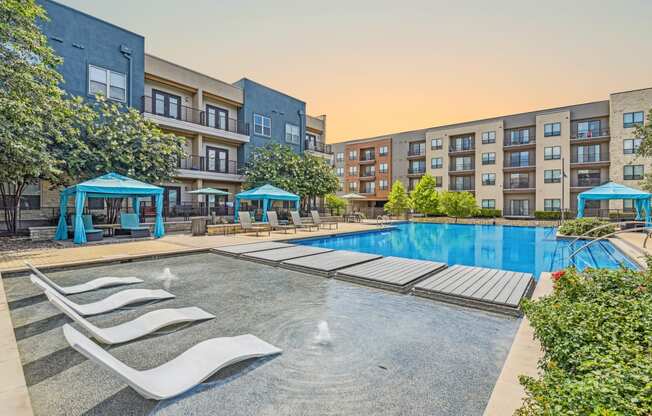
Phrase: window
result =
(519, 159)
(461, 143)
(383, 150)
(633, 172)
(489, 158)
(552, 153)
(167, 105)
(262, 125)
(632, 119)
(588, 177)
(31, 197)
(438, 181)
(353, 154)
(368, 187)
(292, 133)
(631, 146)
(463, 163)
(552, 176)
(488, 137)
(340, 157)
(217, 159)
(436, 144)
(383, 184)
(382, 168)
(367, 154)
(353, 170)
(520, 136)
(436, 162)
(217, 117)
(417, 149)
(552, 205)
(588, 129)
(518, 181)
(413, 182)
(339, 171)
(462, 183)
(353, 186)
(417, 166)
(590, 153)
(628, 205)
(551, 129)
(489, 203)
(108, 83)
(488, 178)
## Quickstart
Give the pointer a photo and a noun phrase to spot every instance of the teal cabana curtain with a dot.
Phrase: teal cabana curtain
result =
(80, 232)
(62, 227)
(159, 231)
(265, 193)
(616, 191)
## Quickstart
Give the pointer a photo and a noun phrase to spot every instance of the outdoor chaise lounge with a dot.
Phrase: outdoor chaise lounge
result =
(273, 222)
(248, 226)
(129, 222)
(317, 220)
(139, 327)
(179, 374)
(98, 283)
(110, 303)
(92, 233)
(296, 220)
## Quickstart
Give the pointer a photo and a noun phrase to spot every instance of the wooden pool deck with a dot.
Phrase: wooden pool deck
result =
(239, 249)
(391, 273)
(326, 264)
(276, 256)
(490, 289)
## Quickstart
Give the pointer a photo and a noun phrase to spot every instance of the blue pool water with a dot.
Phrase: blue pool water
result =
(522, 249)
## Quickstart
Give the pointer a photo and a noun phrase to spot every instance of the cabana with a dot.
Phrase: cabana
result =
(265, 193)
(110, 185)
(614, 190)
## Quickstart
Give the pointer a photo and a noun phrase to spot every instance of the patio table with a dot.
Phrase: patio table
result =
(109, 228)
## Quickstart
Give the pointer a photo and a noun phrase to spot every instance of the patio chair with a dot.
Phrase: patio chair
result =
(317, 220)
(92, 233)
(130, 223)
(110, 303)
(248, 226)
(296, 220)
(139, 327)
(95, 284)
(272, 217)
(179, 374)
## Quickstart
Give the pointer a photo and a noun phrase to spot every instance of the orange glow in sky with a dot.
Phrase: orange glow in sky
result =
(376, 67)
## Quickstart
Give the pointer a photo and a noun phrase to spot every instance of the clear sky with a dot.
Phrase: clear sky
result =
(376, 66)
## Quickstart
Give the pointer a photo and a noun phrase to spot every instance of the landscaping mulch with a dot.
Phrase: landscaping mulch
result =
(12, 244)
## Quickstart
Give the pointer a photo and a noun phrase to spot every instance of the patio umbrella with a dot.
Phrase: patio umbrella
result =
(353, 196)
(209, 191)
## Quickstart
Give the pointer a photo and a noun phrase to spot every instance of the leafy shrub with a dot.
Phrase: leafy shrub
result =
(488, 213)
(335, 204)
(547, 215)
(583, 225)
(458, 204)
(622, 215)
(596, 333)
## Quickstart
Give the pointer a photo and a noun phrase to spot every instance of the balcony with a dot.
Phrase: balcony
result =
(583, 184)
(590, 160)
(518, 212)
(367, 191)
(518, 186)
(194, 120)
(520, 142)
(318, 147)
(461, 169)
(515, 165)
(461, 188)
(416, 153)
(368, 175)
(594, 135)
(198, 167)
(461, 148)
(367, 158)
(416, 171)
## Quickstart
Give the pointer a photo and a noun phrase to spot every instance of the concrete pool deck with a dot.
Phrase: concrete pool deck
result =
(390, 354)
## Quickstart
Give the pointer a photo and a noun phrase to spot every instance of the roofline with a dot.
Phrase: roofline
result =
(635, 90)
(269, 88)
(94, 18)
(194, 71)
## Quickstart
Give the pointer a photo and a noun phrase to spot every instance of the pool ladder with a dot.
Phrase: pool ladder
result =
(604, 237)
(382, 220)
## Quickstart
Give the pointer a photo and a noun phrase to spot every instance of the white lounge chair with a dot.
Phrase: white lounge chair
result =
(179, 374)
(88, 286)
(139, 327)
(110, 303)
(317, 220)
(296, 220)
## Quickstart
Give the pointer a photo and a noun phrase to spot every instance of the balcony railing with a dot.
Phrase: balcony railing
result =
(367, 157)
(588, 134)
(519, 141)
(367, 174)
(517, 212)
(200, 163)
(462, 167)
(416, 170)
(519, 163)
(195, 116)
(318, 147)
(590, 182)
(464, 187)
(518, 185)
(416, 152)
(461, 147)
(589, 158)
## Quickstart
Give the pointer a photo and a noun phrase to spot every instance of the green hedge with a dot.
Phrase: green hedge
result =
(596, 333)
(582, 225)
(547, 215)
(488, 213)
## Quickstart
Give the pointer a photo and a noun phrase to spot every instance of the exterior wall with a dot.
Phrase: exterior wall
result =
(552, 190)
(279, 107)
(83, 40)
(400, 147)
(375, 145)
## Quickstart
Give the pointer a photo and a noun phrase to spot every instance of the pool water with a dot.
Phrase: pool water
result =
(522, 249)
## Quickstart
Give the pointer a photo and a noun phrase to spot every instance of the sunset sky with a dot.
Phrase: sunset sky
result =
(377, 67)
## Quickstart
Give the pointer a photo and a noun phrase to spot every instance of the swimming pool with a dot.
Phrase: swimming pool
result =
(522, 249)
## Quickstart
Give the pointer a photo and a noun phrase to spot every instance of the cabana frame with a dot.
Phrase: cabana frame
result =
(612, 190)
(266, 193)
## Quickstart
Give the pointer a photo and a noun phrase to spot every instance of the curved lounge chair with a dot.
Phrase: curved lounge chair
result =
(85, 287)
(139, 327)
(110, 303)
(179, 374)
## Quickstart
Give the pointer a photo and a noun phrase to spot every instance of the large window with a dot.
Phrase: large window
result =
(551, 153)
(436, 144)
(463, 163)
(339, 171)
(488, 137)
(383, 167)
(353, 186)
(488, 178)
(166, 104)
(383, 150)
(292, 133)
(489, 203)
(439, 180)
(631, 146)
(628, 205)
(489, 158)
(417, 149)
(461, 143)
(632, 119)
(588, 177)
(217, 159)
(340, 156)
(551, 129)
(383, 184)
(517, 159)
(633, 172)
(29, 200)
(552, 176)
(590, 128)
(587, 154)
(436, 162)
(353, 154)
(552, 205)
(217, 117)
(109, 83)
(353, 171)
(262, 125)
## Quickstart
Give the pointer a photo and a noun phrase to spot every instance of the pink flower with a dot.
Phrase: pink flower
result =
(558, 274)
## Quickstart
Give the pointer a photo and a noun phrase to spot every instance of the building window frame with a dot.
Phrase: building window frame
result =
(383, 150)
(353, 154)
(436, 162)
(552, 155)
(633, 119)
(339, 157)
(383, 168)
(220, 117)
(439, 181)
(108, 83)
(553, 204)
(488, 179)
(630, 146)
(488, 204)
(552, 129)
(292, 133)
(489, 158)
(262, 125)
(436, 144)
(488, 137)
(552, 176)
(634, 174)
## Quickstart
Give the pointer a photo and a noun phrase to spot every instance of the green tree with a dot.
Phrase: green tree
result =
(645, 149)
(398, 201)
(424, 197)
(458, 204)
(316, 178)
(335, 204)
(37, 124)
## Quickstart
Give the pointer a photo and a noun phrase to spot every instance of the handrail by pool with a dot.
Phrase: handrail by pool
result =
(604, 237)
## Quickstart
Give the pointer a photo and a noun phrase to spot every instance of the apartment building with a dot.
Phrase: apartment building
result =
(519, 163)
